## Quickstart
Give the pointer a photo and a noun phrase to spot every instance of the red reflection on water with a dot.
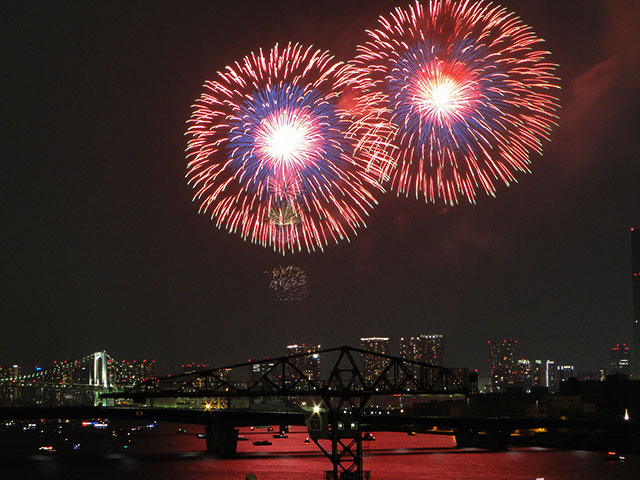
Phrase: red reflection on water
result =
(393, 456)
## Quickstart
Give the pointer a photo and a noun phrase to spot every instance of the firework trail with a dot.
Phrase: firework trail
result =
(278, 153)
(468, 93)
(289, 283)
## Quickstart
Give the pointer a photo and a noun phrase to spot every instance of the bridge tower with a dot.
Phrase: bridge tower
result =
(98, 377)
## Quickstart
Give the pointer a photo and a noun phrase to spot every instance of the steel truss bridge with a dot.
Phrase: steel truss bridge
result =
(335, 421)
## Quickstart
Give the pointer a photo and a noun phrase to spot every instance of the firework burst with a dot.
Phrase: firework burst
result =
(468, 95)
(289, 283)
(277, 154)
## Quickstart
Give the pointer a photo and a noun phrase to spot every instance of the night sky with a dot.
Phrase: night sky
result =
(102, 247)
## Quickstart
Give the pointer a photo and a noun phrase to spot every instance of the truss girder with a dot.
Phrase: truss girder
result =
(282, 377)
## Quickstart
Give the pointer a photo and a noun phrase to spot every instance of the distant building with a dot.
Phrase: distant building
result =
(559, 374)
(309, 364)
(193, 367)
(620, 359)
(258, 370)
(522, 377)
(423, 348)
(373, 366)
(469, 379)
(598, 376)
(13, 371)
(130, 372)
(552, 374)
(635, 279)
(539, 374)
(10, 394)
(502, 364)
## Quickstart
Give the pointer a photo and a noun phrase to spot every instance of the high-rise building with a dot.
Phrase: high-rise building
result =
(552, 375)
(307, 364)
(564, 373)
(559, 374)
(258, 370)
(523, 374)
(9, 393)
(539, 374)
(13, 372)
(502, 364)
(129, 372)
(373, 366)
(423, 348)
(193, 367)
(635, 278)
(620, 359)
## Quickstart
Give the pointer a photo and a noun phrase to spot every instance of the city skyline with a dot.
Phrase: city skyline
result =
(420, 348)
(104, 249)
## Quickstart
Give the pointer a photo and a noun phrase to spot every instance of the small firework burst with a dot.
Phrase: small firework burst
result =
(289, 283)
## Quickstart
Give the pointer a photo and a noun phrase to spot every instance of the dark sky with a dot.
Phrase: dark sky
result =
(102, 247)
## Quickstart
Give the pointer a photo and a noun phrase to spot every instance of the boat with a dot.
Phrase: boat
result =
(280, 435)
(615, 457)
(368, 437)
(306, 440)
(242, 438)
(262, 442)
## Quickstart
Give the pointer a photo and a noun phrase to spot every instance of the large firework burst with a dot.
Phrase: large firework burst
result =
(468, 93)
(289, 283)
(278, 155)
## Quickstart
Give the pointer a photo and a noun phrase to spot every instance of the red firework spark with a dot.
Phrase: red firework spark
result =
(468, 96)
(277, 153)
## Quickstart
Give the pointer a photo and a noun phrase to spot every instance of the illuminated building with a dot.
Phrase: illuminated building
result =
(309, 365)
(9, 393)
(224, 374)
(194, 367)
(559, 374)
(635, 278)
(523, 374)
(81, 374)
(620, 359)
(12, 372)
(423, 348)
(502, 364)
(129, 372)
(598, 376)
(258, 370)
(373, 366)
(539, 374)
(551, 373)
